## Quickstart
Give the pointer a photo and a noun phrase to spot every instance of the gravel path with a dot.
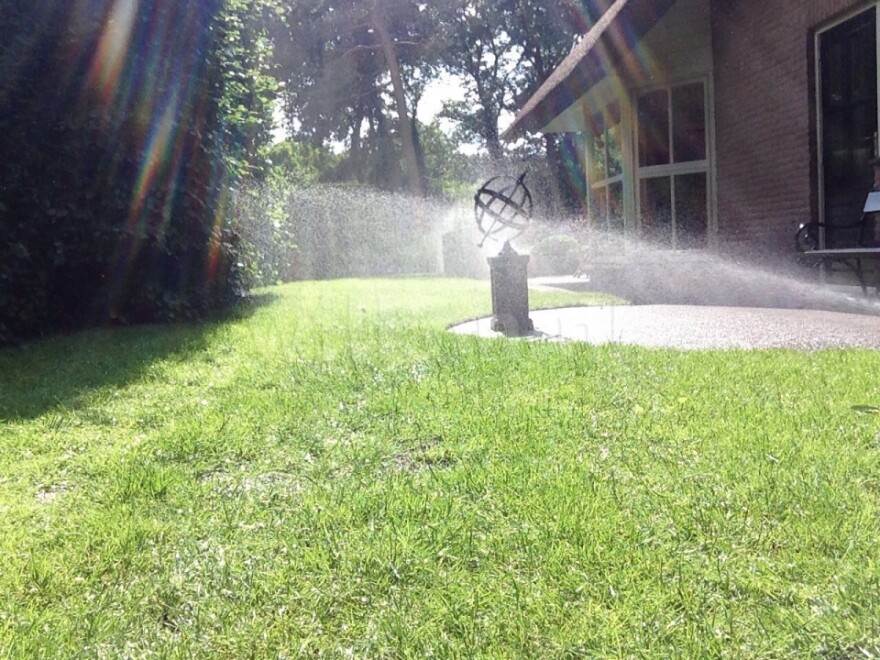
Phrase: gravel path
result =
(692, 327)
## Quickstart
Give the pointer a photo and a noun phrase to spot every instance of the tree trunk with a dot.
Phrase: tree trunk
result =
(420, 153)
(355, 150)
(413, 174)
(493, 140)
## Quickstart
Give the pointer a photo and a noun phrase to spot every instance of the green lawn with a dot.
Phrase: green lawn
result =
(332, 474)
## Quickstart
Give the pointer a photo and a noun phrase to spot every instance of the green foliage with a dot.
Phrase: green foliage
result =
(250, 89)
(300, 163)
(558, 254)
(121, 124)
(291, 231)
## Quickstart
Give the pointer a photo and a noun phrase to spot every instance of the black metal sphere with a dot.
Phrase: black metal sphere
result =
(503, 208)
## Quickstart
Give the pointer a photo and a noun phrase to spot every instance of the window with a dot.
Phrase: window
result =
(673, 166)
(605, 170)
(847, 115)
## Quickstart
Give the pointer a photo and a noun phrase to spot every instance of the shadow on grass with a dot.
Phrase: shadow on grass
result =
(244, 308)
(60, 372)
(866, 409)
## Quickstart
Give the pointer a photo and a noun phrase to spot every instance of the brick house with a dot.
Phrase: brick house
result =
(720, 124)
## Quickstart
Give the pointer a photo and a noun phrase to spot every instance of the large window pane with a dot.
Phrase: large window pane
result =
(848, 103)
(835, 85)
(656, 204)
(838, 156)
(599, 206)
(653, 116)
(615, 207)
(864, 116)
(863, 70)
(596, 149)
(612, 141)
(688, 123)
(691, 212)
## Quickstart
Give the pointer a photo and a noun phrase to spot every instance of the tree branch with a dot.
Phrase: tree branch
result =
(355, 49)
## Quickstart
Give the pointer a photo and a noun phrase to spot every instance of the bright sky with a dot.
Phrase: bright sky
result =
(445, 88)
(448, 88)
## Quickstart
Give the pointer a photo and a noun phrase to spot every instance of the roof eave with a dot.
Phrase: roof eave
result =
(588, 62)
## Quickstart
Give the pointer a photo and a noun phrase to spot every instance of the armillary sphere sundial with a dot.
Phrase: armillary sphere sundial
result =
(503, 206)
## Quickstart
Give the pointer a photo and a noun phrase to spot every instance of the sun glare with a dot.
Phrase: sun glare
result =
(115, 39)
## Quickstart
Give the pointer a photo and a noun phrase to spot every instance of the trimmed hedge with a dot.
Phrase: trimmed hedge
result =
(322, 231)
(557, 255)
(112, 197)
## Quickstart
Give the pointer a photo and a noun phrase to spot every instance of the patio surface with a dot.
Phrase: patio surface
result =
(691, 327)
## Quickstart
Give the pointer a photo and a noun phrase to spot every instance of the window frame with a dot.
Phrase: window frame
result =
(606, 182)
(704, 166)
(818, 92)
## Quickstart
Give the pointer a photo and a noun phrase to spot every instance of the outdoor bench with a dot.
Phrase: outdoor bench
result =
(840, 246)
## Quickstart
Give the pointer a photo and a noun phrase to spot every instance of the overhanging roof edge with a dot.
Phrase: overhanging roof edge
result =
(619, 29)
(526, 117)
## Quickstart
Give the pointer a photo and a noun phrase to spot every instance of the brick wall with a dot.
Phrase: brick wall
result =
(765, 119)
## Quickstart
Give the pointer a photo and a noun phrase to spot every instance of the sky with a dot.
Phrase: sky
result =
(445, 88)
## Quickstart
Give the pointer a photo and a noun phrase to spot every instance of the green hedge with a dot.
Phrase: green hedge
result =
(301, 232)
(112, 196)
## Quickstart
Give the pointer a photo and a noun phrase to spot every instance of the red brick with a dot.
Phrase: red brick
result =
(765, 118)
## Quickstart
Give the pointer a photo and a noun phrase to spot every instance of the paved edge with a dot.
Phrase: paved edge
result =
(695, 327)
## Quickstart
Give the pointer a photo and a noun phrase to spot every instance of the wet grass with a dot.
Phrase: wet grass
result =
(335, 475)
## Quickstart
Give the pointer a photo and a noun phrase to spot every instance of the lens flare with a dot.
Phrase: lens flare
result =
(212, 265)
(147, 74)
(159, 145)
(113, 47)
(621, 50)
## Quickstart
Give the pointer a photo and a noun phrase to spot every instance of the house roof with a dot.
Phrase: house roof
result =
(616, 32)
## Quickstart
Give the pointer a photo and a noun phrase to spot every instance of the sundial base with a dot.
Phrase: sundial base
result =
(510, 293)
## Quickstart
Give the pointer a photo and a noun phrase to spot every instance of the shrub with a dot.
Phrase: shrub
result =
(292, 231)
(112, 202)
(557, 255)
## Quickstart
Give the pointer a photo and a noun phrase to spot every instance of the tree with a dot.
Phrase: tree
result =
(448, 167)
(389, 50)
(503, 51)
(345, 63)
(478, 50)
(115, 118)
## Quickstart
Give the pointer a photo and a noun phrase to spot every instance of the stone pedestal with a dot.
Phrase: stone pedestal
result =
(510, 293)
